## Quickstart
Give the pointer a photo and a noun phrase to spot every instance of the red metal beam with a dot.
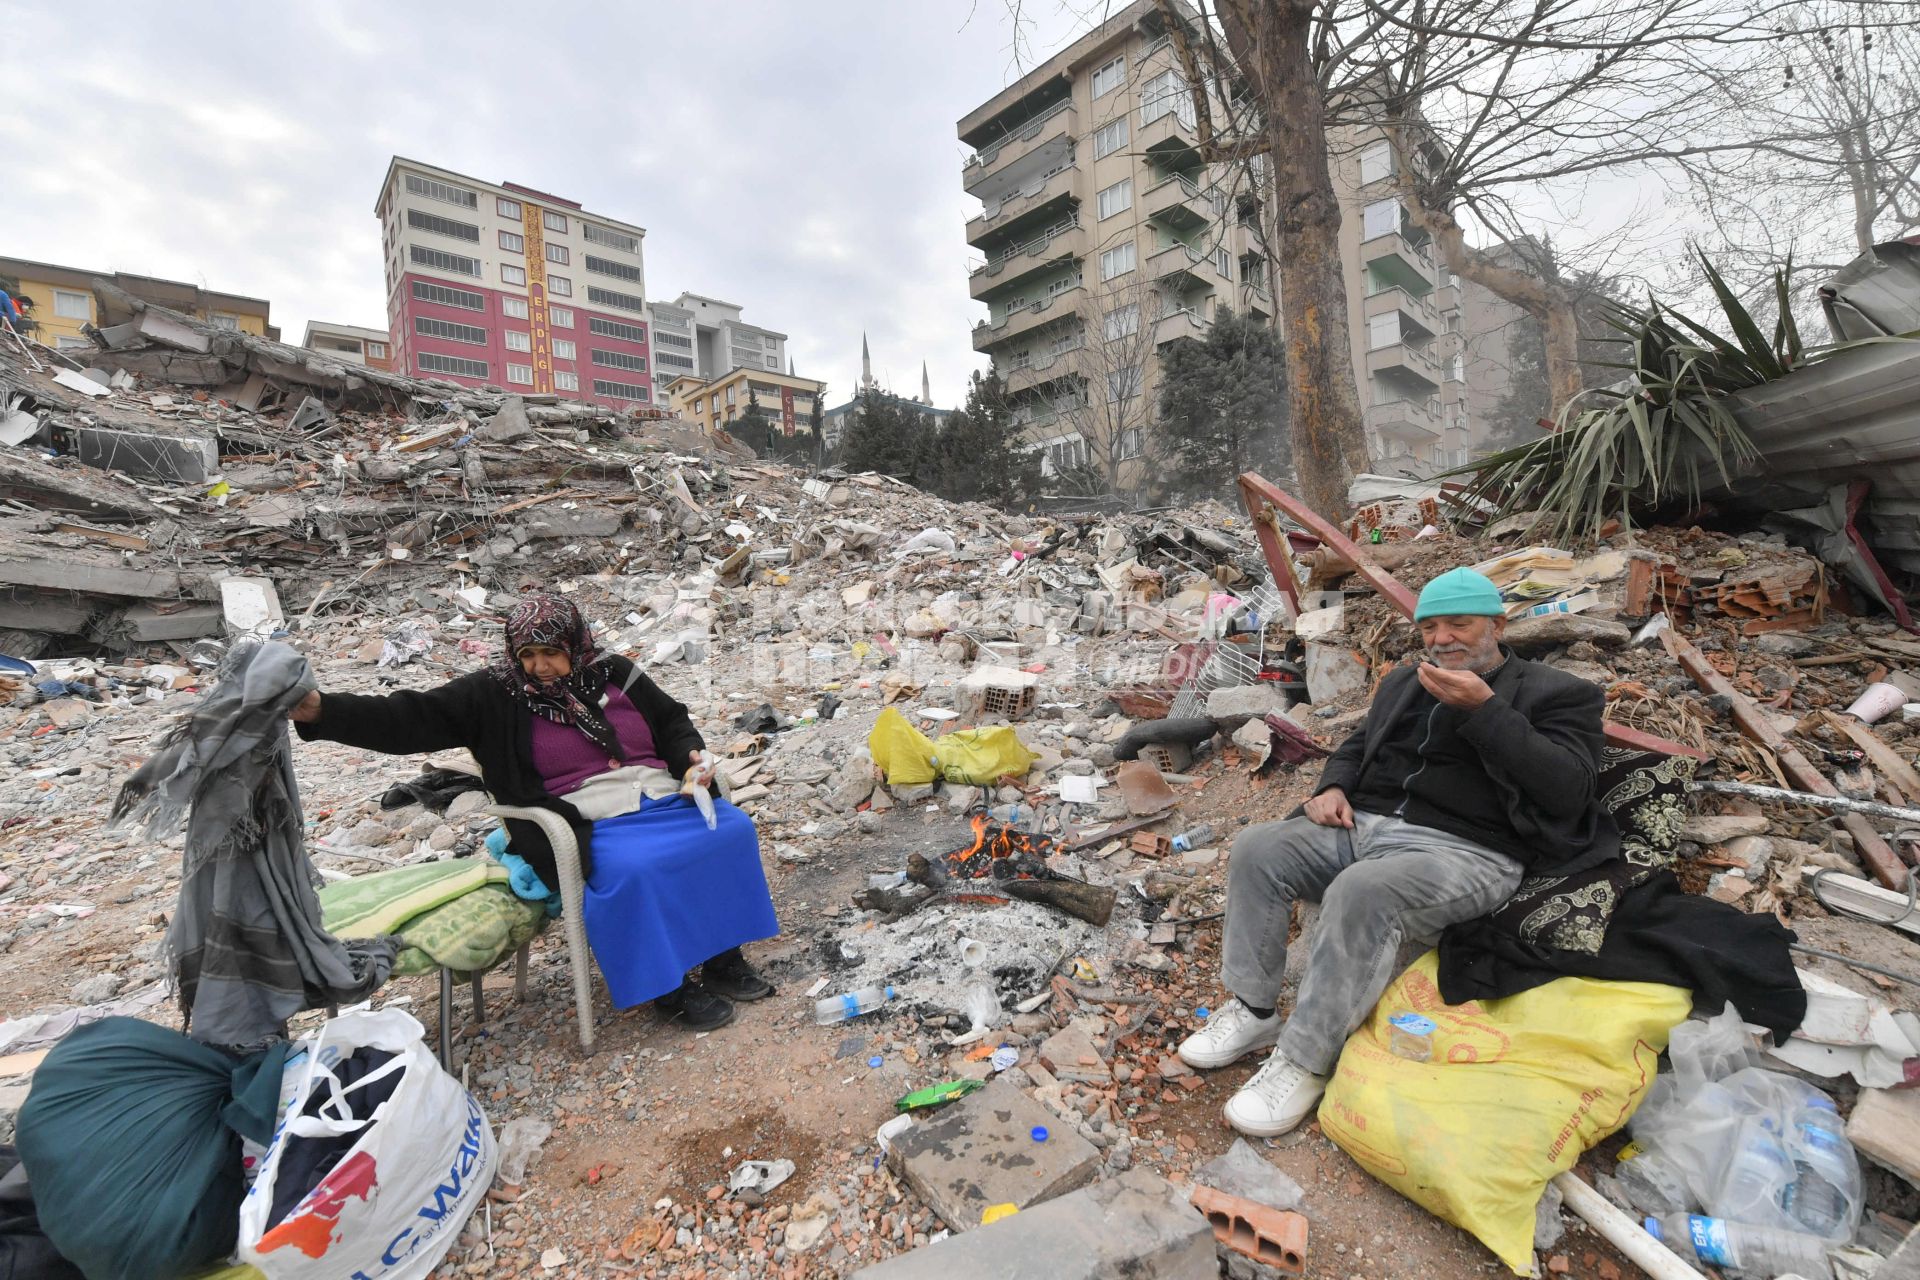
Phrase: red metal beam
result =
(1857, 494)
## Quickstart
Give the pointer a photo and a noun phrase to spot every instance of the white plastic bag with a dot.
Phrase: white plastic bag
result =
(393, 1205)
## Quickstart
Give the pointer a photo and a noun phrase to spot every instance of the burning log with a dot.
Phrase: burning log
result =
(1012, 863)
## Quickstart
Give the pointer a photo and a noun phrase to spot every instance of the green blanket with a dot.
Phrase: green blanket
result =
(459, 914)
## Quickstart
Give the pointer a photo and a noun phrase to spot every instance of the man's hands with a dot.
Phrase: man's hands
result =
(1463, 689)
(1330, 809)
(307, 710)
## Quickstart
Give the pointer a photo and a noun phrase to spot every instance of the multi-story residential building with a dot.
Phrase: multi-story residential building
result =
(706, 337)
(1494, 332)
(64, 300)
(719, 403)
(496, 284)
(350, 343)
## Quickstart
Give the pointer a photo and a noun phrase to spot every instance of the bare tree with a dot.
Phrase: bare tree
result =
(1113, 415)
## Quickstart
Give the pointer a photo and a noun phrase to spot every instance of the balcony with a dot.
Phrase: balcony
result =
(1183, 267)
(1404, 366)
(1397, 263)
(1447, 296)
(1184, 323)
(1057, 121)
(1407, 421)
(1181, 203)
(1164, 42)
(1043, 191)
(1410, 307)
(1028, 316)
(1057, 243)
(1023, 373)
(1166, 136)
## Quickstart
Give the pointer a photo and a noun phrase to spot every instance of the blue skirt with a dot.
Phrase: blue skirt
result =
(667, 894)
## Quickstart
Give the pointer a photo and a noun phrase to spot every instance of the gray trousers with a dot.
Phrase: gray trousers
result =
(1381, 882)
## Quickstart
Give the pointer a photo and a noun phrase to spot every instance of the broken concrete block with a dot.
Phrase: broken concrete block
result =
(509, 424)
(1885, 1127)
(183, 459)
(981, 1151)
(310, 414)
(1753, 853)
(1333, 671)
(1317, 623)
(582, 522)
(1551, 630)
(1071, 1054)
(1719, 828)
(159, 326)
(1137, 1225)
(73, 380)
(18, 427)
(250, 605)
(1234, 706)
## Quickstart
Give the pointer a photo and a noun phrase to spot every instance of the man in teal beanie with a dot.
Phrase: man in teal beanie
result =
(1473, 768)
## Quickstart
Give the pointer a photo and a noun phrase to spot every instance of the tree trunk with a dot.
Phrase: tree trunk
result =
(1270, 43)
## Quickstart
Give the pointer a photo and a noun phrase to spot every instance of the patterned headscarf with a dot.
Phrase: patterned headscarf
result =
(574, 699)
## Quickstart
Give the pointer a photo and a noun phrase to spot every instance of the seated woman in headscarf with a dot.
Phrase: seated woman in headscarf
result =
(556, 724)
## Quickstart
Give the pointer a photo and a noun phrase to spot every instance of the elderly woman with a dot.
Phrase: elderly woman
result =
(556, 724)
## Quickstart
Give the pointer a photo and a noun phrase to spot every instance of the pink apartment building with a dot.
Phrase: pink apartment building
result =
(496, 284)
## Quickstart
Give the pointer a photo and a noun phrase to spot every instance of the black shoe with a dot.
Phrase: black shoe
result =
(728, 974)
(695, 1009)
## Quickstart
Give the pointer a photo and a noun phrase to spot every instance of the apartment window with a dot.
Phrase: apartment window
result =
(565, 380)
(560, 317)
(1383, 331)
(72, 306)
(617, 329)
(431, 363)
(510, 274)
(1124, 383)
(557, 253)
(1380, 218)
(513, 242)
(1376, 161)
(554, 221)
(506, 208)
(563, 349)
(433, 190)
(1116, 198)
(227, 321)
(608, 267)
(668, 358)
(621, 360)
(1109, 77)
(1123, 322)
(713, 405)
(519, 340)
(618, 301)
(621, 390)
(377, 350)
(513, 308)
(427, 326)
(462, 298)
(439, 261)
(773, 362)
(1109, 138)
(1166, 94)
(560, 286)
(730, 391)
(612, 239)
(521, 374)
(1130, 443)
(1223, 263)
(440, 226)
(671, 340)
(1457, 367)
(1117, 261)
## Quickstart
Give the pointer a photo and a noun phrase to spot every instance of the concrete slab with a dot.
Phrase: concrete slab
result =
(157, 326)
(147, 623)
(1136, 1225)
(250, 605)
(1235, 705)
(183, 459)
(980, 1152)
(1071, 1055)
(57, 615)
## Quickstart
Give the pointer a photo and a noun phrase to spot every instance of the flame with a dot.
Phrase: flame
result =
(1011, 854)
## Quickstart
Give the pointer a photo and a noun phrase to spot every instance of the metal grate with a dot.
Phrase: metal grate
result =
(1230, 665)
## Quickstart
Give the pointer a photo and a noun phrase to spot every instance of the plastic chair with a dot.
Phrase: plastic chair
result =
(566, 857)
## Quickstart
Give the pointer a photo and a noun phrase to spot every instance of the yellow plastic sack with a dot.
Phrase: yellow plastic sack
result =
(1516, 1090)
(904, 754)
(982, 756)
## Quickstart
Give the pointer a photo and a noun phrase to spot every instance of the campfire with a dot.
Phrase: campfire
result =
(1014, 863)
(1002, 852)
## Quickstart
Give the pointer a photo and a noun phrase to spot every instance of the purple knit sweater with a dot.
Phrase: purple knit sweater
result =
(566, 757)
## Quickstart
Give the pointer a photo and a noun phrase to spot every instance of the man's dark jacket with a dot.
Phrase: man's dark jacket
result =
(1531, 751)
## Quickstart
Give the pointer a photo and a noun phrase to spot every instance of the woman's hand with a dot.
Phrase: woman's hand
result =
(699, 770)
(307, 710)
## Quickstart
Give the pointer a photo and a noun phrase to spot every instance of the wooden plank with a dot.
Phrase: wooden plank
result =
(524, 503)
(128, 541)
(1874, 852)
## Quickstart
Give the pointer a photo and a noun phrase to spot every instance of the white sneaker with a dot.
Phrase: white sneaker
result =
(1231, 1033)
(1276, 1100)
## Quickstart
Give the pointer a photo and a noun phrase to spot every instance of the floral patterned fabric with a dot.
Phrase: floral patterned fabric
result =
(1645, 793)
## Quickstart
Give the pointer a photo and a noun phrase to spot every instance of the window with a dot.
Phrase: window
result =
(513, 308)
(668, 358)
(1117, 261)
(563, 349)
(1108, 78)
(431, 328)
(510, 274)
(521, 374)
(431, 363)
(440, 226)
(612, 239)
(617, 329)
(618, 301)
(1223, 263)
(671, 340)
(519, 340)
(1166, 94)
(376, 350)
(72, 306)
(442, 191)
(560, 317)
(554, 221)
(713, 404)
(565, 380)
(65, 342)
(1130, 443)
(621, 390)
(1109, 138)
(1380, 218)
(557, 253)
(560, 286)
(424, 257)
(621, 360)
(730, 391)
(773, 362)
(1116, 198)
(1123, 322)
(1376, 161)
(506, 208)
(1123, 384)
(462, 298)
(608, 267)
(226, 320)
(1383, 331)
(1456, 368)
(513, 242)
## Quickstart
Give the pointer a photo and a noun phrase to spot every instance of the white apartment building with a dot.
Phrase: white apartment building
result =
(707, 338)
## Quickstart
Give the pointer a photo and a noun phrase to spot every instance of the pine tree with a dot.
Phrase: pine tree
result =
(1223, 405)
(978, 455)
(886, 436)
(754, 427)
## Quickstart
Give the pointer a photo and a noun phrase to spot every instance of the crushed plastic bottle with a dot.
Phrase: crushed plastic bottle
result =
(1193, 838)
(1826, 1195)
(1410, 1036)
(1751, 1251)
(1653, 1183)
(851, 1005)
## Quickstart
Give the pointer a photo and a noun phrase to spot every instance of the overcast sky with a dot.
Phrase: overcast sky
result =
(796, 158)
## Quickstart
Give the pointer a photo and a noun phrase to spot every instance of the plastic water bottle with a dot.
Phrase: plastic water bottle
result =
(1753, 1188)
(1826, 1194)
(1193, 838)
(1752, 1251)
(1653, 1183)
(851, 1005)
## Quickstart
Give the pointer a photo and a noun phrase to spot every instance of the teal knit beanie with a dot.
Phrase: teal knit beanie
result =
(1457, 592)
